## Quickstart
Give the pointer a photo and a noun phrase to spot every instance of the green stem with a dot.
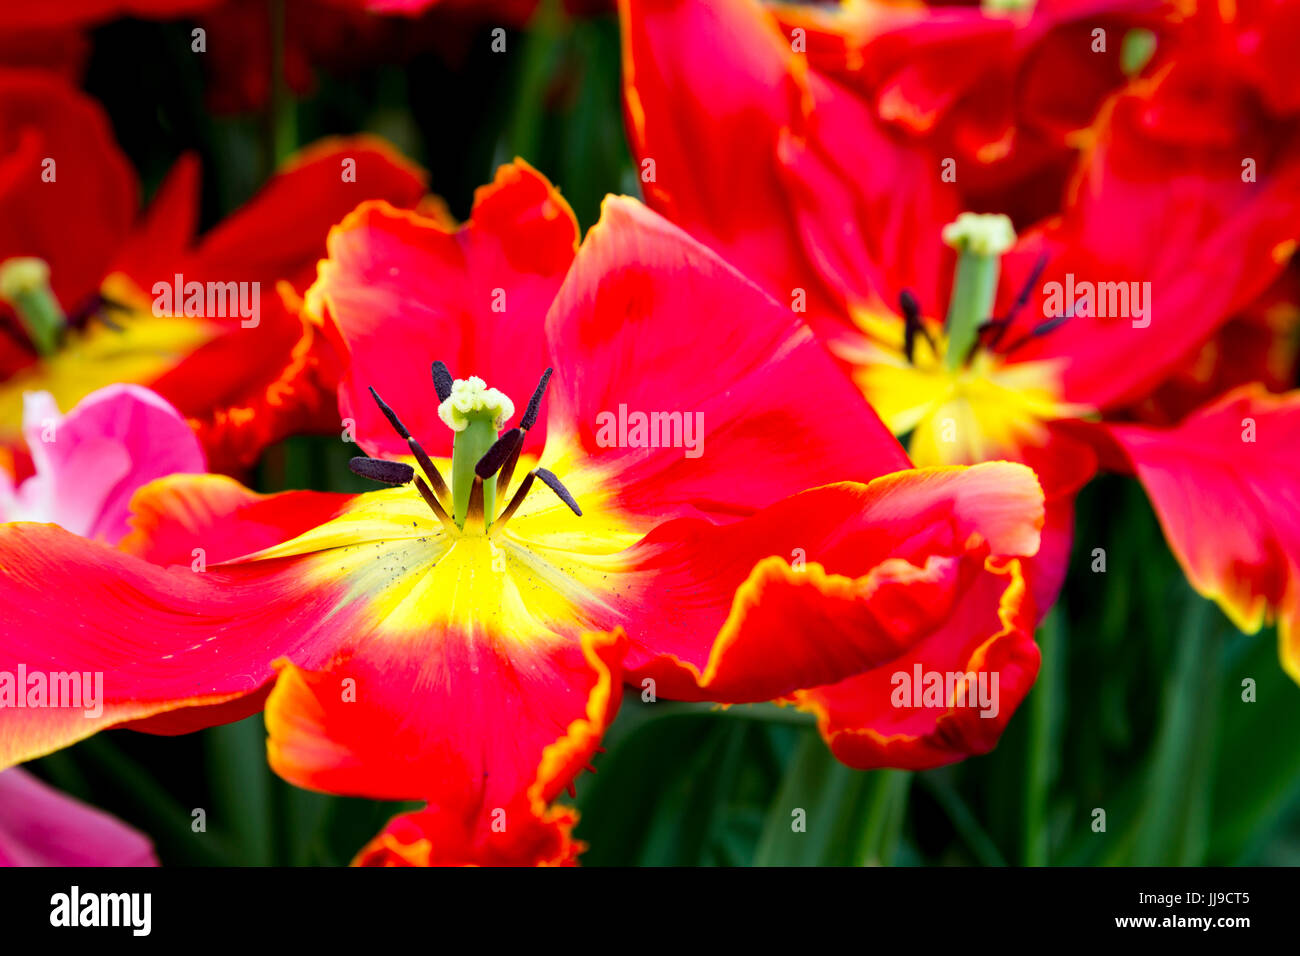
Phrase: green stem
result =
(886, 809)
(1174, 827)
(543, 48)
(284, 115)
(1044, 706)
(241, 788)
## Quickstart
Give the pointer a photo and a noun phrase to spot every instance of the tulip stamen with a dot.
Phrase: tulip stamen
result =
(442, 381)
(912, 324)
(378, 469)
(429, 468)
(426, 463)
(482, 459)
(554, 483)
(1042, 328)
(435, 506)
(475, 513)
(525, 423)
(516, 500)
(99, 307)
(1000, 324)
(496, 456)
(551, 481)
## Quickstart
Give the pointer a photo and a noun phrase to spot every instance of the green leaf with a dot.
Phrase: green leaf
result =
(828, 814)
(1171, 827)
(1258, 776)
(963, 819)
(240, 783)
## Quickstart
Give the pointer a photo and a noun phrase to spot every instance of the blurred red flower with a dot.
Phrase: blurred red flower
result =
(69, 203)
(1181, 216)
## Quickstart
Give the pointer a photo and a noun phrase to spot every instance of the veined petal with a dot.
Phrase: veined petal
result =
(136, 640)
(531, 833)
(738, 405)
(174, 515)
(373, 595)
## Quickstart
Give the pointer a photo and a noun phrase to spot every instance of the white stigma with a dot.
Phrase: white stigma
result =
(1006, 6)
(470, 397)
(984, 234)
(22, 275)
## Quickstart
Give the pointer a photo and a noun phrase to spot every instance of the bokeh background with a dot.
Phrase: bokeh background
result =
(1138, 709)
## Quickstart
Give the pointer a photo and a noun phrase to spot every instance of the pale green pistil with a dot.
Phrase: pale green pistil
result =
(980, 241)
(475, 413)
(1006, 6)
(25, 285)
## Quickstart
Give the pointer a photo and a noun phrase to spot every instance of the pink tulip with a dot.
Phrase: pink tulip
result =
(39, 826)
(90, 461)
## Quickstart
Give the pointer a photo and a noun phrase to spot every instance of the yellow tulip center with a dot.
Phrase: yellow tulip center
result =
(935, 384)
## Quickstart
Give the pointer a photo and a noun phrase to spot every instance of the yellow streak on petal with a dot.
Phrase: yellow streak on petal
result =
(983, 410)
(145, 348)
(547, 573)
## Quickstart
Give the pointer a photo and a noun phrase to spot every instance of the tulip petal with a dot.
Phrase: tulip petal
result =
(39, 826)
(869, 209)
(176, 514)
(281, 231)
(90, 462)
(398, 283)
(142, 640)
(1168, 239)
(431, 838)
(286, 381)
(883, 718)
(777, 151)
(1223, 484)
(489, 771)
(93, 185)
(709, 161)
(825, 585)
(650, 323)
